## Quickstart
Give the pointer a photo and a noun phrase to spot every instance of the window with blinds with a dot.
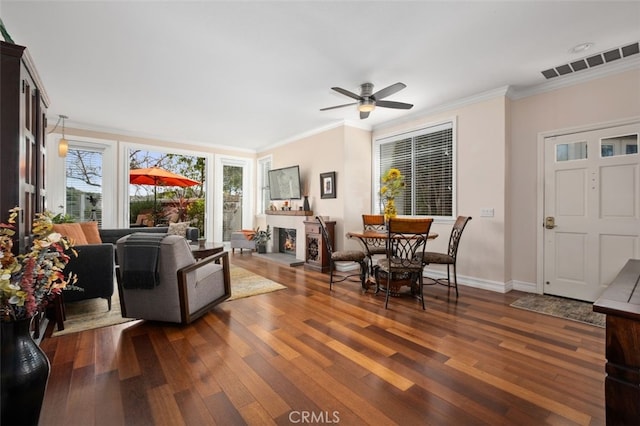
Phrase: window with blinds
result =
(426, 159)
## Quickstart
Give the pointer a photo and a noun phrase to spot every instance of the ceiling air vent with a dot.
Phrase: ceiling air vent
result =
(593, 61)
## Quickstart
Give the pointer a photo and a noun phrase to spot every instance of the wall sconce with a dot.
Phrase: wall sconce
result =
(63, 144)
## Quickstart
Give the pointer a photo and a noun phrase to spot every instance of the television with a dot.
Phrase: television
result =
(284, 183)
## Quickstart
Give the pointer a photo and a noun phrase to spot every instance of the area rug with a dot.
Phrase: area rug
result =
(245, 283)
(561, 307)
(90, 314)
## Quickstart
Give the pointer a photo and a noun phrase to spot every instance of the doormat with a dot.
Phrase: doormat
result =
(574, 310)
(245, 283)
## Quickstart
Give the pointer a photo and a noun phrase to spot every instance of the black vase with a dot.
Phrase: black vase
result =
(305, 204)
(25, 372)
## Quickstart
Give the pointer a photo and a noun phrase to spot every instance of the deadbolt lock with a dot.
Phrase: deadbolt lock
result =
(550, 222)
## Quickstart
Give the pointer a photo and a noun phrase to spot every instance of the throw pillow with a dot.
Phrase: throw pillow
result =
(179, 228)
(91, 232)
(71, 230)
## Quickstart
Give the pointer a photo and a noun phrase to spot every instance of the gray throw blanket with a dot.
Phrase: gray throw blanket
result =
(139, 266)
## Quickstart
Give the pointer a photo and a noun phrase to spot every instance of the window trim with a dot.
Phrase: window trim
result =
(57, 180)
(123, 174)
(448, 123)
(262, 183)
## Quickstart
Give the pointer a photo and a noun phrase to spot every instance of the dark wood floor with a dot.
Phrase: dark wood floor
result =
(304, 355)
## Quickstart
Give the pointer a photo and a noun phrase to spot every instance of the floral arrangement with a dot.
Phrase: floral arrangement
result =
(29, 281)
(392, 186)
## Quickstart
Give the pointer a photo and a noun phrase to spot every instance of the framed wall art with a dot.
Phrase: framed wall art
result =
(328, 185)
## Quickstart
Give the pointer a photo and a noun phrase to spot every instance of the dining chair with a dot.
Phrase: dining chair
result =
(357, 256)
(374, 246)
(450, 258)
(405, 247)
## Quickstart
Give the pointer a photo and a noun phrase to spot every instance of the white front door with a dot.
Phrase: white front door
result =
(591, 209)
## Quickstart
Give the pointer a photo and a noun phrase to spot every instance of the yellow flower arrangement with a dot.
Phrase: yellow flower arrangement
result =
(392, 186)
(29, 281)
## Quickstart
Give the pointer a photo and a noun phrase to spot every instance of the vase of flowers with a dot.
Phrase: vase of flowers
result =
(28, 282)
(392, 186)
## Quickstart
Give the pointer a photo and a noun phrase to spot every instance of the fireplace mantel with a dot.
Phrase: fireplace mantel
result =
(290, 212)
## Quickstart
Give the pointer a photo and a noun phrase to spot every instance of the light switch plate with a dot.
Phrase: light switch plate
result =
(486, 212)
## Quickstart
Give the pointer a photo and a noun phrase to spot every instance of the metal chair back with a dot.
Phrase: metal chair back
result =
(406, 242)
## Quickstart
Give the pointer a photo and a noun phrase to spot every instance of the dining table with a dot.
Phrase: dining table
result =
(367, 237)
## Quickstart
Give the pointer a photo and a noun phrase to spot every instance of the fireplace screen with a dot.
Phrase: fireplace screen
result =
(287, 241)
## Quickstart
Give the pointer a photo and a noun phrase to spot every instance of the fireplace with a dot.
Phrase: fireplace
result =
(288, 220)
(287, 241)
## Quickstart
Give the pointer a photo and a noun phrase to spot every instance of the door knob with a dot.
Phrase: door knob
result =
(550, 222)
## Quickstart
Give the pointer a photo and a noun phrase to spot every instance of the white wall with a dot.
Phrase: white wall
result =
(603, 100)
(344, 150)
(481, 152)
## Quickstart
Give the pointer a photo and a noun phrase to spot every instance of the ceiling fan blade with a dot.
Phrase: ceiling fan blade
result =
(337, 106)
(347, 93)
(392, 104)
(388, 91)
(364, 114)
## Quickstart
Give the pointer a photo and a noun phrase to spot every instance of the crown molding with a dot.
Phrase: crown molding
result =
(448, 106)
(515, 93)
(116, 134)
(574, 78)
(316, 131)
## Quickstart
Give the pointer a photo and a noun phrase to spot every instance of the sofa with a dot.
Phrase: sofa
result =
(95, 264)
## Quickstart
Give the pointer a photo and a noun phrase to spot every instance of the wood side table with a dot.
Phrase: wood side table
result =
(209, 249)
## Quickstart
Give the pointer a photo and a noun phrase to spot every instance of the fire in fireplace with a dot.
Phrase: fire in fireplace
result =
(287, 241)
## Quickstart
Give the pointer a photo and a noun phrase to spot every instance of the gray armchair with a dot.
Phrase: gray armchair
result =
(185, 289)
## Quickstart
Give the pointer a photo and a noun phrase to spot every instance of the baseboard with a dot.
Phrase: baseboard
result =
(463, 280)
(524, 286)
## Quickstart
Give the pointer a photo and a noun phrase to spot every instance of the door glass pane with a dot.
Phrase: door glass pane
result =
(571, 151)
(232, 200)
(84, 185)
(619, 145)
(172, 191)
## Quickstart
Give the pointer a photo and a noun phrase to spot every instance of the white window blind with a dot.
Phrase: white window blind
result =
(426, 159)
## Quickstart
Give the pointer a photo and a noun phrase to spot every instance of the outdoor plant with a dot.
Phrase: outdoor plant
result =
(29, 281)
(63, 218)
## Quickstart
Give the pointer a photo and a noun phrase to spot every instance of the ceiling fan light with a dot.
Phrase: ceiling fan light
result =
(366, 105)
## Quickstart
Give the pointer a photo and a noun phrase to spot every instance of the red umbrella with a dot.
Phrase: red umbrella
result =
(157, 176)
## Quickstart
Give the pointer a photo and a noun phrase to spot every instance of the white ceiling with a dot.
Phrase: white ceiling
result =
(251, 74)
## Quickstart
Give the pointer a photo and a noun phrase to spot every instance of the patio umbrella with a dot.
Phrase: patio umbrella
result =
(157, 176)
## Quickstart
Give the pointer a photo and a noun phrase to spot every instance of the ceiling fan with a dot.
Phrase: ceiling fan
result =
(367, 100)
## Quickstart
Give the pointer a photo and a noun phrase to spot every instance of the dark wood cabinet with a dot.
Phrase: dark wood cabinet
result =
(621, 303)
(22, 139)
(316, 251)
